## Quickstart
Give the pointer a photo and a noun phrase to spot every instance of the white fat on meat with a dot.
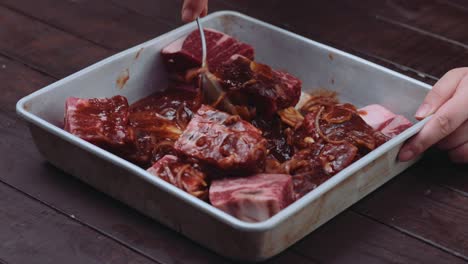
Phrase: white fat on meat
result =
(384, 120)
(252, 199)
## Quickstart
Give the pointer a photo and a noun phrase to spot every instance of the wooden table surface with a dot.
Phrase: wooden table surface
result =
(47, 216)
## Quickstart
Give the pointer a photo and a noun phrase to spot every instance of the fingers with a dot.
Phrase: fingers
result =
(442, 91)
(448, 117)
(459, 154)
(191, 9)
(457, 138)
(205, 11)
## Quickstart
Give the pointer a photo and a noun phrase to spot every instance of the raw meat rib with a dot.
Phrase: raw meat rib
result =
(254, 198)
(339, 123)
(157, 121)
(259, 85)
(396, 126)
(383, 120)
(222, 140)
(376, 115)
(103, 122)
(327, 137)
(185, 53)
(185, 176)
(336, 157)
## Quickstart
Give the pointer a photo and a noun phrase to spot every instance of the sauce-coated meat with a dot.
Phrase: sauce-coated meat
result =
(224, 141)
(102, 122)
(259, 85)
(157, 121)
(183, 175)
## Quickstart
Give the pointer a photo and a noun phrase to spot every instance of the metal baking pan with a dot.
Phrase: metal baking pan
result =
(356, 80)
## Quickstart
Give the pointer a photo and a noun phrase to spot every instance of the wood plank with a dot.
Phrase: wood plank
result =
(31, 232)
(256, 9)
(168, 11)
(414, 204)
(46, 48)
(353, 28)
(461, 4)
(107, 25)
(439, 19)
(352, 238)
(345, 25)
(52, 67)
(445, 173)
(89, 19)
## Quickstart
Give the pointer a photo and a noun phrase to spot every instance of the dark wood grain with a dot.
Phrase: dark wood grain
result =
(343, 24)
(417, 218)
(439, 19)
(350, 27)
(343, 240)
(44, 47)
(461, 4)
(107, 25)
(33, 233)
(256, 9)
(160, 9)
(417, 206)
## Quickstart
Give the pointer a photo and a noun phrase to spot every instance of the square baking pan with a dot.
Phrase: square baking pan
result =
(139, 71)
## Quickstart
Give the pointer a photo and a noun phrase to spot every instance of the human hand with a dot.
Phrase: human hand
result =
(191, 9)
(448, 127)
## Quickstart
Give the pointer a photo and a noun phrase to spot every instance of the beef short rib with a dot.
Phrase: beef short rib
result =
(259, 85)
(185, 53)
(185, 176)
(253, 199)
(383, 120)
(222, 140)
(103, 122)
(157, 121)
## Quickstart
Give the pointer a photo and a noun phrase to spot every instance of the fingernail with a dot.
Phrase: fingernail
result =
(187, 15)
(423, 111)
(406, 155)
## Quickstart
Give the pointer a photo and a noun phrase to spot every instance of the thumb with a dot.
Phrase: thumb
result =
(447, 118)
(442, 91)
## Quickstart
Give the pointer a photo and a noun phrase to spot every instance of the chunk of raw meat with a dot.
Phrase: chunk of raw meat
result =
(264, 88)
(376, 115)
(103, 122)
(253, 199)
(396, 126)
(222, 140)
(185, 176)
(337, 124)
(336, 157)
(306, 170)
(186, 52)
(157, 121)
(383, 120)
(312, 166)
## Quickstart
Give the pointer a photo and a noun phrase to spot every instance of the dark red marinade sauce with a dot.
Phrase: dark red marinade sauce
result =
(312, 143)
(157, 121)
(327, 136)
(102, 122)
